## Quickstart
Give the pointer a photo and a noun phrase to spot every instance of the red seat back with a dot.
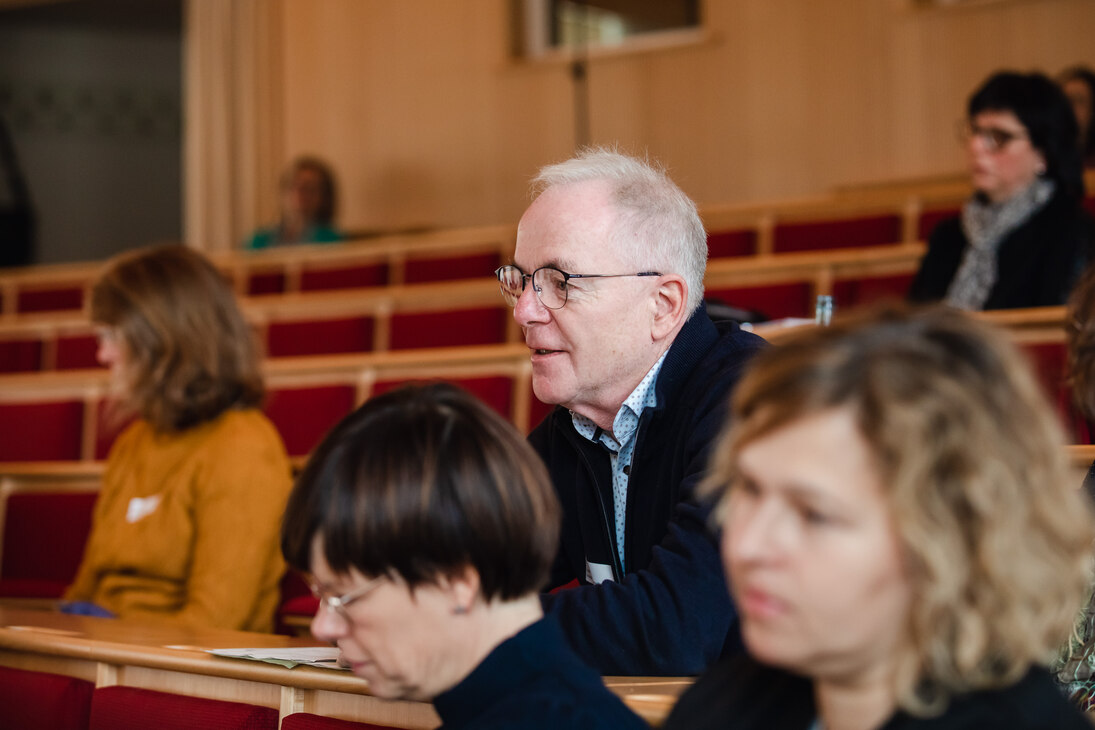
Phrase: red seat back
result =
(319, 337)
(125, 708)
(855, 292)
(20, 356)
(929, 219)
(344, 277)
(852, 232)
(77, 352)
(721, 244)
(452, 328)
(496, 391)
(44, 538)
(49, 431)
(470, 266)
(40, 700)
(266, 282)
(304, 415)
(774, 301)
(51, 300)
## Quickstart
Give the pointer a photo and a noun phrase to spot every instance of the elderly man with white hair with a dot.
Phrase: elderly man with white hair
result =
(619, 340)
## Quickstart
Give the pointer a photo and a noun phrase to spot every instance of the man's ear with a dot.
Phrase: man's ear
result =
(670, 305)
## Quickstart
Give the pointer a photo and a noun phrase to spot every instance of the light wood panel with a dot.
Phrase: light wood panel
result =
(431, 123)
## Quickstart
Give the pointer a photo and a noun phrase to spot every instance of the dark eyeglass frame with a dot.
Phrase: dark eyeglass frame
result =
(525, 278)
(994, 138)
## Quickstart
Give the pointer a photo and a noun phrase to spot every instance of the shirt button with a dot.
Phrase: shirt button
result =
(627, 470)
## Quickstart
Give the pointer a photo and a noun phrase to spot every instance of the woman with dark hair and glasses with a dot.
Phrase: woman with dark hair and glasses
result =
(1023, 238)
(426, 526)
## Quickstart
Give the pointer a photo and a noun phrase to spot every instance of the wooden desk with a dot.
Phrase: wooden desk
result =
(171, 659)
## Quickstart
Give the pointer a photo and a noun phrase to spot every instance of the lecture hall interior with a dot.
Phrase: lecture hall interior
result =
(816, 137)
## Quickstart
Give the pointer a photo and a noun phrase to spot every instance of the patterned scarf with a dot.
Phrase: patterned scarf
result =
(986, 225)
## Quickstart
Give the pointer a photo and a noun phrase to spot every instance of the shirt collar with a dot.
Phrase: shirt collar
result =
(623, 425)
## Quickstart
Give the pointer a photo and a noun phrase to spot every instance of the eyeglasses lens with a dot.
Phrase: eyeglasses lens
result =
(551, 287)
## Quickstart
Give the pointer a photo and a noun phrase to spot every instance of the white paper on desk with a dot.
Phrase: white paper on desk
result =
(325, 657)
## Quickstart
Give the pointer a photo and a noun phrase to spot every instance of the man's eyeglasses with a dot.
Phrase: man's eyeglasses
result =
(340, 604)
(994, 138)
(550, 284)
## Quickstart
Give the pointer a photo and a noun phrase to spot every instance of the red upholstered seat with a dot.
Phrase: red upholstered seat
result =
(40, 700)
(77, 352)
(41, 431)
(721, 244)
(1050, 361)
(319, 337)
(44, 538)
(344, 277)
(51, 300)
(852, 232)
(303, 415)
(266, 282)
(774, 300)
(125, 708)
(296, 600)
(451, 328)
(109, 426)
(471, 266)
(855, 292)
(305, 721)
(20, 356)
(495, 391)
(929, 219)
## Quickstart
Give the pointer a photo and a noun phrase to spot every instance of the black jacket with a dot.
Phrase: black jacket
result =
(1037, 263)
(742, 694)
(670, 614)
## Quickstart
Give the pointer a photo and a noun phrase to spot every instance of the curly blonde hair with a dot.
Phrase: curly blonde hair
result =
(996, 537)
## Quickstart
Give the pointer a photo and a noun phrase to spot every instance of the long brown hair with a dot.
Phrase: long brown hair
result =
(188, 353)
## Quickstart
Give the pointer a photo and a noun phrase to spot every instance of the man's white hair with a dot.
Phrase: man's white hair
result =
(659, 226)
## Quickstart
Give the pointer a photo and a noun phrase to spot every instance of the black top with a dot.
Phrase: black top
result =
(533, 680)
(742, 694)
(1037, 263)
(670, 613)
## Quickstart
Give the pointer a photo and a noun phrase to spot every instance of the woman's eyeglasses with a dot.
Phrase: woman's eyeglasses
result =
(994, 138)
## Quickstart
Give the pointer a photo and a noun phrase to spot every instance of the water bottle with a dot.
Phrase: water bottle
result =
(823, 310)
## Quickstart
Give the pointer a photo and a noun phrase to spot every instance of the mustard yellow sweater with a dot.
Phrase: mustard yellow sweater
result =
(186, 527)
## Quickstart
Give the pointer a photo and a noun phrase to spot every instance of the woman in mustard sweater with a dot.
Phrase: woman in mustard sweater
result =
(186, 526)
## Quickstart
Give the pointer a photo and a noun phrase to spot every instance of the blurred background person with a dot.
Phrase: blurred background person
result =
(185, 528)
(427, 526)
(901, 534)
(309, 203)
(1023, 238)
(1078, 83)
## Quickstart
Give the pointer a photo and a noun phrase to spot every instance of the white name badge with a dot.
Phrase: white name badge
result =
(598, 572)
(141, 507)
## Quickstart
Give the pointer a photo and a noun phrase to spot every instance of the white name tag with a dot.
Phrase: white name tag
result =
(598, 572)
(141, 507)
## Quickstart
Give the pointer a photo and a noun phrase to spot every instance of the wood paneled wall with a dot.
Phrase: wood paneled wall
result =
(430, 121)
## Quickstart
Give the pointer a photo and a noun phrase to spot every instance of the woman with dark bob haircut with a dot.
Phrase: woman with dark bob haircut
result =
(185, 529)
(903, 539)
(1023, 238)
(426, 526)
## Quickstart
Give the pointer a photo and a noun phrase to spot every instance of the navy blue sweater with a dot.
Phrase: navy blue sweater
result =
(670, 614)
(532, 681)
